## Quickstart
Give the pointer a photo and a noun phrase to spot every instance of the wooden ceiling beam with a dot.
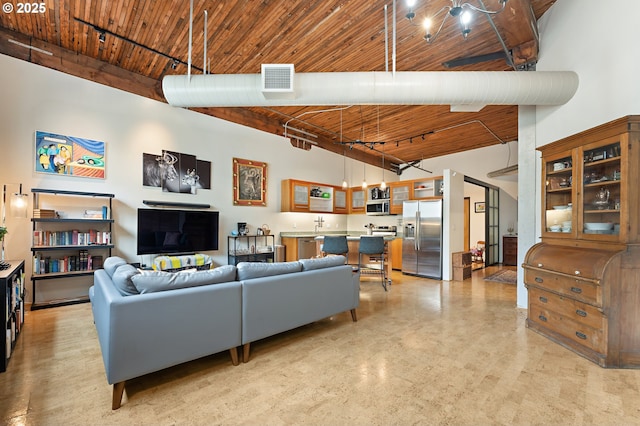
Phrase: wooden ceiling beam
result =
(523, 40)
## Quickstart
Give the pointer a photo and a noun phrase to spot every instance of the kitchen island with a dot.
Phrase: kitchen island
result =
(353, 242)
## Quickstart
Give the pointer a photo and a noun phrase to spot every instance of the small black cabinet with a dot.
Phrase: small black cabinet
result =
(12, 281)
(250, 248)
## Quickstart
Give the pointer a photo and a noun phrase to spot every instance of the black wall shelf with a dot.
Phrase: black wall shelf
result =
(175, 204)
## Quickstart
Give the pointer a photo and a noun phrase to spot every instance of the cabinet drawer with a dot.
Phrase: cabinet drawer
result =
(575, 288)
(591, 338)
(568, 307)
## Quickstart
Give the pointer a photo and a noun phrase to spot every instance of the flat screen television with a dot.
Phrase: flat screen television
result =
(177, 231)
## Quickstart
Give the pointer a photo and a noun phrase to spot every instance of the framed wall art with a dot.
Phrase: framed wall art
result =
(479, 207)
(249, 183)
(69, 156)
(176, 172)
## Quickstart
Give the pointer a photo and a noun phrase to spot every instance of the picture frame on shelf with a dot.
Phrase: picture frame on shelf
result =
(479, 207)
(249, 183)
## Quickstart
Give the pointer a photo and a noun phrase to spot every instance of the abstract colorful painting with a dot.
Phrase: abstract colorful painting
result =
(69, 156)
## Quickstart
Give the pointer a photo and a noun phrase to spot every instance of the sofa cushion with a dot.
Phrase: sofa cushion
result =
(248, 270)
(122, 279)
(322, 262)
(111, 264)
(154, 281)
(180, 263)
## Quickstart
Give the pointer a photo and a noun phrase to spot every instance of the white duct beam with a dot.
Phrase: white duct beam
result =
(378, 88)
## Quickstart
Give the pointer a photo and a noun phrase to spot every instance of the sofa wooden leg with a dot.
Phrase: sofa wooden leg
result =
(245, 352)
(234, 356)
(118, 390)
(353, 315)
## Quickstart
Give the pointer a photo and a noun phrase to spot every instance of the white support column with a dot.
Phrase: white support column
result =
(528, 226)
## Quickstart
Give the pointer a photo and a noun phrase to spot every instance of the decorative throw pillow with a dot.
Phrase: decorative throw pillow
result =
(111, 264)
(248, 270)
(322, 262)
(154, 281)
(122, 279)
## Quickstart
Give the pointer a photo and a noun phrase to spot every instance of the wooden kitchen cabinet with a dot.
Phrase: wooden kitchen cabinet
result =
(425, 189)
(399, 193)
(340, 200)
(290, 248)
(396, 254)
(295, 196)
(582, 278)
(358, 197)
(311, 197)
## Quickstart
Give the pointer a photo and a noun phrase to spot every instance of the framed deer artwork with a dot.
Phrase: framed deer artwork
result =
(249, 183)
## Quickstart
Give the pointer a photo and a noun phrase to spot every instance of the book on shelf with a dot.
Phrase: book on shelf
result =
(93, 214)
(83, 261)
(70, 238)
(44, 214)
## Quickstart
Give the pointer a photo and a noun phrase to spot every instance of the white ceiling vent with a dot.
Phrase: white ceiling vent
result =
(277, 79)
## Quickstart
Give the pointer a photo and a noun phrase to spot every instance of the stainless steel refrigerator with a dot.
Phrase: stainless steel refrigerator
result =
(422, 238)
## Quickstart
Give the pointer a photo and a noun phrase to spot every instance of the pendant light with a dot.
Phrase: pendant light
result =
(383, 184)
(364, 164)
(344, 157)
(364, 172)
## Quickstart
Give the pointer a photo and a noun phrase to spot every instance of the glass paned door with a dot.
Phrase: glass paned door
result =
(492, 225)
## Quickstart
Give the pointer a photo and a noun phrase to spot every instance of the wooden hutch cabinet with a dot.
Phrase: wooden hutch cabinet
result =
(584, 288)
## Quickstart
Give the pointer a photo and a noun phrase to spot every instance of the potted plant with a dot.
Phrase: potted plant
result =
(3, 232)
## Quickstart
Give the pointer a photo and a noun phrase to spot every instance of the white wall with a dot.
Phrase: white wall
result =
(476, 220)
(594, 40)
(42, 99)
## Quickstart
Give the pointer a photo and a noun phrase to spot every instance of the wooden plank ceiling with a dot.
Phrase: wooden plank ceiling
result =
(144, 40)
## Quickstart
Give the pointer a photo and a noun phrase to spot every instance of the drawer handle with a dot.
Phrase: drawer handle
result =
(576, 290)
(539, 280)
(581, 312)
(543, 299)
(581, 335)
(542, 318)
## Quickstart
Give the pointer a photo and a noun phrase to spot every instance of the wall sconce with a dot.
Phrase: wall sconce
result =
(17, 203)
(18, 209)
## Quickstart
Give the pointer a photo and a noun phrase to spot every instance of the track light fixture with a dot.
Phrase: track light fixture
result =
(458, 9)
(101, 37)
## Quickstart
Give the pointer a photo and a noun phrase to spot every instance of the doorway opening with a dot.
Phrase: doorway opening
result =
(482, 224)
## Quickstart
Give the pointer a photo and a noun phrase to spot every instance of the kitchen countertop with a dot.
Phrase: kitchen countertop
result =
(355, 235)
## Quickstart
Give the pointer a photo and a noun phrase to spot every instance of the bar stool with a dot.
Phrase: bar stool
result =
(372, 247)
(336, 244)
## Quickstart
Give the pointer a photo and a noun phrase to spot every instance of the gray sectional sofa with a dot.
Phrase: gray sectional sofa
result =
(150, 320)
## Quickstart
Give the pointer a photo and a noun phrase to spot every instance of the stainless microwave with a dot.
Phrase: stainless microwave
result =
(378, 207)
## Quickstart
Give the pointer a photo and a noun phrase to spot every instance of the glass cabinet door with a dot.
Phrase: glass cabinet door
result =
(300, 195)
(559, 195)
(601, 190)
